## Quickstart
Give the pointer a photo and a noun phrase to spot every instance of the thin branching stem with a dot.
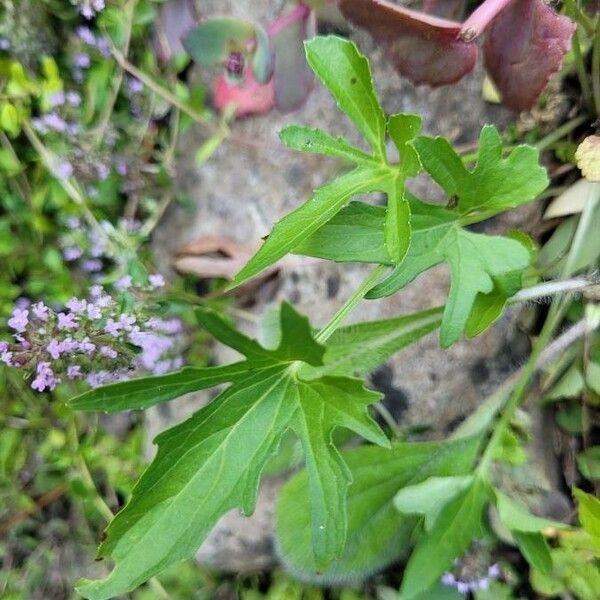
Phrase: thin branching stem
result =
(375, 275)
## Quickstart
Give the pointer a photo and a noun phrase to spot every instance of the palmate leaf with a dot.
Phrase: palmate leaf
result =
(212, 462)
(345, 72)
(377, 533)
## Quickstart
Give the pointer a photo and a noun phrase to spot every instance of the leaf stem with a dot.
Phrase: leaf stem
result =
(71, 189)
(560, 133)
(104, 120)
(553, 320)
(596, 68)
(351, 303)
(582, 75)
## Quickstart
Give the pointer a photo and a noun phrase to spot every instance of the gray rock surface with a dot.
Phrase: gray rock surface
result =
(245, 188)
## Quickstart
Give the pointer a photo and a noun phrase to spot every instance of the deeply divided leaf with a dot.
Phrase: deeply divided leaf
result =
(213, 462)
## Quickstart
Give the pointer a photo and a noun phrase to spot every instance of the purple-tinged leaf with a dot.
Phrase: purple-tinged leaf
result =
(175, 19)
(446, 9)
(423, 48)
(525, 45)
(249, 96)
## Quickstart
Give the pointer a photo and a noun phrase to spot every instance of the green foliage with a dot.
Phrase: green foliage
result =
(227, 445)
(377, 533)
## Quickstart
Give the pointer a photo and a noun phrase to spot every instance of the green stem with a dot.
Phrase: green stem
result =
(98, 501)
(596, 67)
(582, 75)
(561, 132)
(553, 320)
(68, 185)
(351, 303)
(118, 78)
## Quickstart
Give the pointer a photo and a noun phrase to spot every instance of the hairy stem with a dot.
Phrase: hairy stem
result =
(350, 304)
(553, 320)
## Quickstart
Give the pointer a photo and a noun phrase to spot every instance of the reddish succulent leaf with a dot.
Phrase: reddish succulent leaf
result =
(249, 97)
(423, 48)
(447, 9)
(525, 45)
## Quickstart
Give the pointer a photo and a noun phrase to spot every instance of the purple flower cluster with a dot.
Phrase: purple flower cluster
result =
(92, 340)
(89, 8)
(99, 43)
(466, 586)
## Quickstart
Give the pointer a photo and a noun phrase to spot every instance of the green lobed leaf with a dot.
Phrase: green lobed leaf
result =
(345, 72)
(298, 225)
(495, 184)
(316, 141)
(377, 533)
(355, 234)
(457, 525)
(213, 461)
(476, 263)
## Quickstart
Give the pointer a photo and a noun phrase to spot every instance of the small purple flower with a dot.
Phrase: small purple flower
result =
(67, 321)
(103, 171)
(6, 358)
(73, 99)
(4, 44)
(72, 253)
(39, 125)
(494, 571)
(103, 46)
(82, 60)
(73, 371)
(448, 579)
(40, 311)
(3, 346)
(96, 291)
(123, 283)
(126, 321)
(73, 223)
(57, 99)
(86, 346)
(76, 306)
(135, 86)
(19, 320)
(63, 170)
(55, 122)
(156, 280)
(55, 349)
(93, 312)
(108, 352)
(121, 167)
(462, 587)
(113, 328)
(92, 265)
(45, 378)
(85, 34)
